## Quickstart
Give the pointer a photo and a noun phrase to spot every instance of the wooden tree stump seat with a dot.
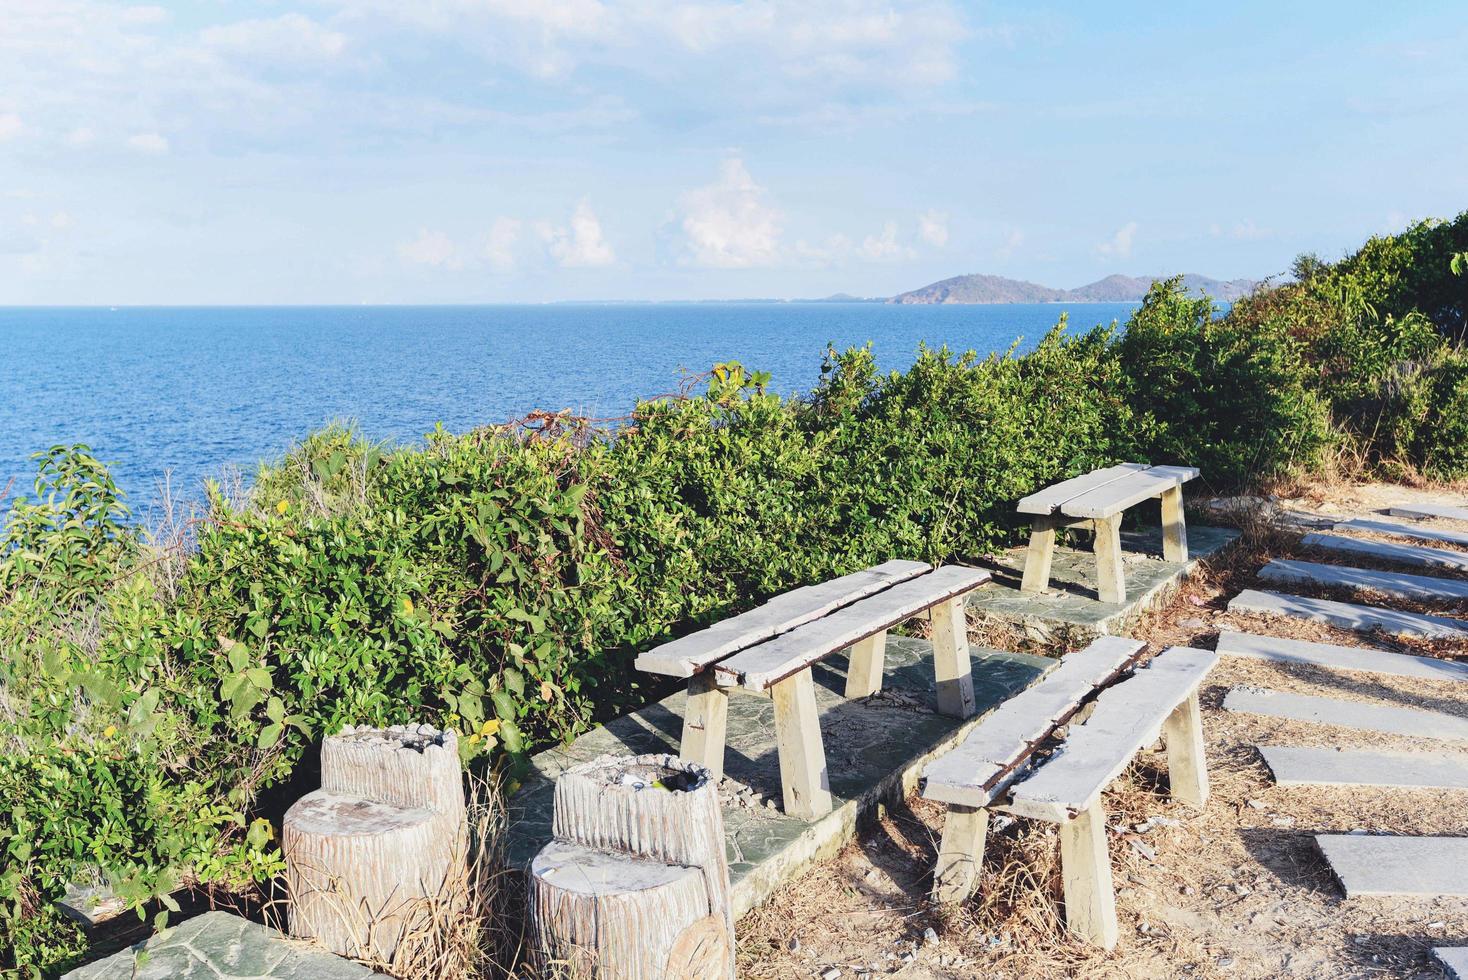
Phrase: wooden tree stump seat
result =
(1100, 498)
(983, 773)
(380, 847)
(634, 884)
(769, 651)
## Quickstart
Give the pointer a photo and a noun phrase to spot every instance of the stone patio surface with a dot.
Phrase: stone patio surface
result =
(875, 750)
(222, 946)
(1069, 609)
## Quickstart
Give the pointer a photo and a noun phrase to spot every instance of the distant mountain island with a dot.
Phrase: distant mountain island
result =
(1113, 289)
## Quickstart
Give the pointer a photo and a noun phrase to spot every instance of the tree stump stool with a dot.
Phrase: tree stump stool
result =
(383, 840)
(634, 885)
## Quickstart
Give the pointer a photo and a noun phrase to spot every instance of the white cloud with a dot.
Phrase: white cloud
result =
(730, 224)
(290, 37)
(61, 220)
(1013, 240)
(149, 143)
(1120, 245)
(499, 246)
(80, 136)
(10, 125)
(432, 248)
(1244, 231)
(774, 56)
(580, 246)
(933, 228)
(885, 247)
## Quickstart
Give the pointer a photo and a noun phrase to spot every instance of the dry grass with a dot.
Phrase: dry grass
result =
(1239, 890)
(474, 929)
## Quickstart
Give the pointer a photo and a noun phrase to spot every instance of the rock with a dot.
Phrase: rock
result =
(1145, 850)
(930, 937)
(834, 973)
(1256, 804)
(794, 944)
(1224, 962)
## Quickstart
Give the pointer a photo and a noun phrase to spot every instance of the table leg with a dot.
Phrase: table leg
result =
(1174, 526)
(952, 670)
(1040, 555)
(1110, 579)
(864, 671)
(802, 753)
(705, 723)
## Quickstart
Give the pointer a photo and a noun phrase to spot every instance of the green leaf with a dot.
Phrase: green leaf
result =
(269, 735)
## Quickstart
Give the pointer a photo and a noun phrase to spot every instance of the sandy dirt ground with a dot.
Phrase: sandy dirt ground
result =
(1239, 890)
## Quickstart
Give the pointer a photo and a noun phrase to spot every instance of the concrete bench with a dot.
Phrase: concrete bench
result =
(1100, 498)
(984, 772)
(769, 651)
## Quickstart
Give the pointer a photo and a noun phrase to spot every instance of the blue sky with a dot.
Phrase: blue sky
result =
(439, 151)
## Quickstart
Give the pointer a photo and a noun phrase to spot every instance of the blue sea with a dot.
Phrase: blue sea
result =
(191, 392)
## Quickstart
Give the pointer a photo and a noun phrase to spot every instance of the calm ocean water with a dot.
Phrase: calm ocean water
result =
(191, 391)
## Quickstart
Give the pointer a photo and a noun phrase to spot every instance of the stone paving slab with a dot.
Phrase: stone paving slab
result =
(1280, 650)
(222, 946)
(1367, 864)
(1348, 615)
(1421, 532)
(1389, 551)
(1449, 511)
(1362, 715)
(1399, 584)
(1069, 611)
(875, 750)
(1309, 766)
(1454, 960)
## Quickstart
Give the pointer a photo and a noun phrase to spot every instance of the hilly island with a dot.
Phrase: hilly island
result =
(979, 288)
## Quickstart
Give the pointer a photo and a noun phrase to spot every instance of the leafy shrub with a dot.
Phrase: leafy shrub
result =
(500, 581)
(1234, 401)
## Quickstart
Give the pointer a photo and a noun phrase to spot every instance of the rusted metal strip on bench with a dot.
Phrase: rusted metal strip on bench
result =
(759, 667)
(979, 768)
(688, 655)
(1126, 717)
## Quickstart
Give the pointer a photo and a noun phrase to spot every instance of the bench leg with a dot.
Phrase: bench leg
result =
(1174, 526)
(864, 672)
(802, 754)
(951, 668)
(705, 722)
(1085, 864)
(1110, 579)
(1038, 558)
(1187, 765)
(961, 853)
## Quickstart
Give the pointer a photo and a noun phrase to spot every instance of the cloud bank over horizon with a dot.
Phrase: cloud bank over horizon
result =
(512, 150)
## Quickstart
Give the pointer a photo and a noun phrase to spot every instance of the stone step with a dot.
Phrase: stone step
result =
(1348, 615)
(1380, 865)
(1449, 511)
(1388, 551)
(1421, 532)
(1304, 766)
(1401, 584)
(1362, 715)
(1329, 655)
(1454, 960)
(221, 944)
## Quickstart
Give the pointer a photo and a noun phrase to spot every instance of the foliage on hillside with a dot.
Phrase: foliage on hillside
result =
(499, 581)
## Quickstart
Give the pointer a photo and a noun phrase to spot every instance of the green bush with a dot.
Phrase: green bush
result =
(1235, 401)
(501, 581)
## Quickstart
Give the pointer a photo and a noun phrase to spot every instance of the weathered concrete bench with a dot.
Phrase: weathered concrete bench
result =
(1100, 498)
(769, 651)
(986, 772)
